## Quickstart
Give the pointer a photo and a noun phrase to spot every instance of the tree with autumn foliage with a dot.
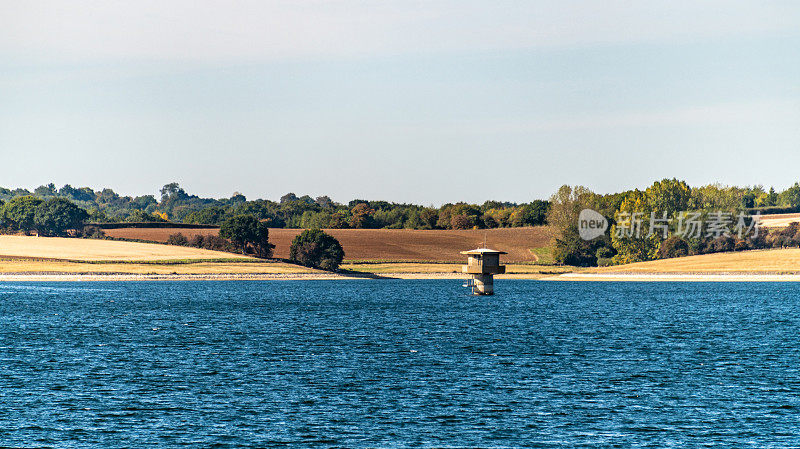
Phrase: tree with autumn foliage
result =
(361, 216)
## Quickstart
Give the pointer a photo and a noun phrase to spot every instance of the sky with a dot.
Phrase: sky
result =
(427, 102)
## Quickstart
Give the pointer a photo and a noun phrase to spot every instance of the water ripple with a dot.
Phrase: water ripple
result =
(399, 363)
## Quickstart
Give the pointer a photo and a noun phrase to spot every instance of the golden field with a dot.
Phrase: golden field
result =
(779, 261)
(779, 220)
(99, 250)
(19, 266)
(105, 258)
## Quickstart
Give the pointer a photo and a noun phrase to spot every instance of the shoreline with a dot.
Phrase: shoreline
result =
(676, 277)
(125, 277)
(566, 277)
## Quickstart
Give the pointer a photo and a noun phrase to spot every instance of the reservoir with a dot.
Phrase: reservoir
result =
(397, 363)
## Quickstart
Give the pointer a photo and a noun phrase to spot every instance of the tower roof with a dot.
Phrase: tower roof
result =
(481, 251)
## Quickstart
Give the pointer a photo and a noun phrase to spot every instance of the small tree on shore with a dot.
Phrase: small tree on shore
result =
(56, 215)
(177, 239)
(20, 213)
(314, 248)
(246, 230)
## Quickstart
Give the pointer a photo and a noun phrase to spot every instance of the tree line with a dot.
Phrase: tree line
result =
(667, 198)
(50, 217)
(290, 211)
(59, 217)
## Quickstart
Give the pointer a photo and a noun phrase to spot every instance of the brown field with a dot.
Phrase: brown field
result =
(778, 261)
(99, 250)
(522, 244)
(156, 234)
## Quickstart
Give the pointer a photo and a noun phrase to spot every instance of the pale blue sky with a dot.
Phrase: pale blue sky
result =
(398, 100)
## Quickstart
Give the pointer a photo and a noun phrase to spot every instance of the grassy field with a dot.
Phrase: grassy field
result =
(779, 220)
(522, 244)
(17, 266)
(780, 261)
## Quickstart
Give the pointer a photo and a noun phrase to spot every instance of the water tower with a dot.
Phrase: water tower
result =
(482, 265)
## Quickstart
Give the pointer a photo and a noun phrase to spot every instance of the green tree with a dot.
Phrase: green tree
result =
(314, 248)
(668, 195)
(213, 215)
(325, 202)
(428, 217)
(771, 198)
(716, 197)
(172, 191)
(56, 215)
(261, 245)
(791, 196)
(245, 232)
(634, 242)
(20, 213)
(566, 205)
(629, 235)
(531, 214)
(46, 191)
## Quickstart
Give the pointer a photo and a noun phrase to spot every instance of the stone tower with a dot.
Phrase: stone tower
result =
(482, 265)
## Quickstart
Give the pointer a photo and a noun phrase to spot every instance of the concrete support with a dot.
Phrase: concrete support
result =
(483, 284)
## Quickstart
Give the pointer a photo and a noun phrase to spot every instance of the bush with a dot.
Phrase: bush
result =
(572, 250)
(216, 243)
(741, 245)
(93, 232)
(673, 247)
(177, 239)
(197, 241)
(604, 252)
(212, 242)
(605, 262)
(314, 248)
(723, 243)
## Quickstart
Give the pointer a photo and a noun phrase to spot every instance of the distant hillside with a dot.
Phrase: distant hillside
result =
(528, 244)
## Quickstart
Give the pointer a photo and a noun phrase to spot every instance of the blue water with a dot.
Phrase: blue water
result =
(399, 363)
